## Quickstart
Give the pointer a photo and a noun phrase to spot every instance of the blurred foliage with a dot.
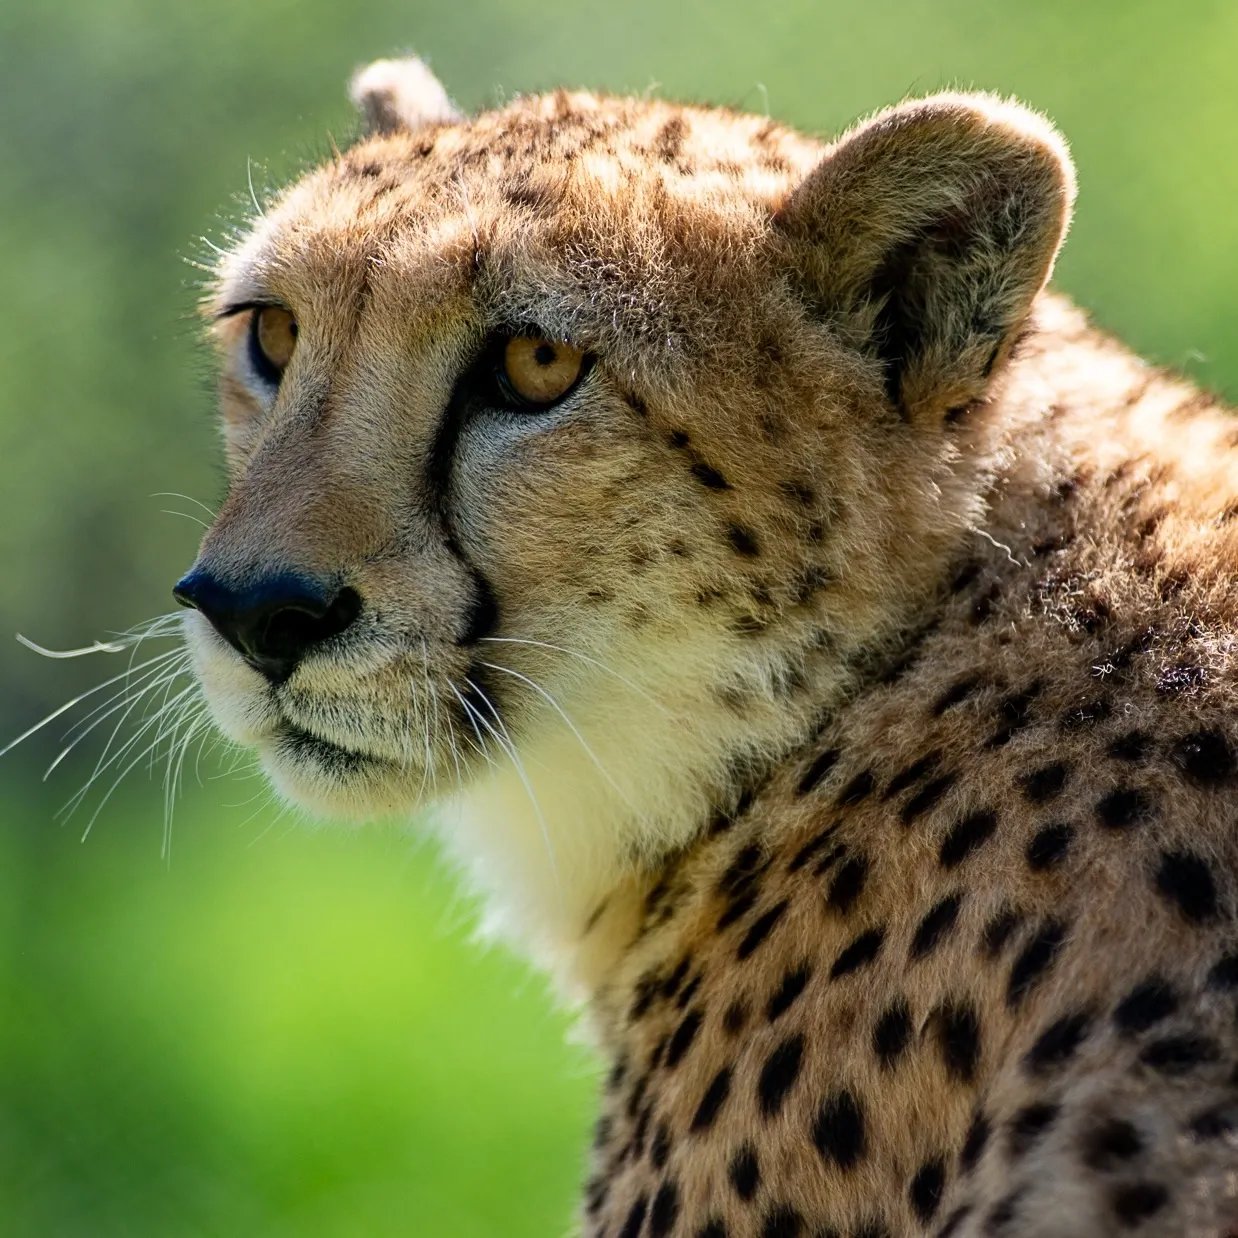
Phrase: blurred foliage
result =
(280, 1036)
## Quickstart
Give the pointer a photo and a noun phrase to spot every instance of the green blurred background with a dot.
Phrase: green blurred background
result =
(289, 1032)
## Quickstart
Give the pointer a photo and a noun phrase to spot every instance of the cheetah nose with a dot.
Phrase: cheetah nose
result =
(272, 622)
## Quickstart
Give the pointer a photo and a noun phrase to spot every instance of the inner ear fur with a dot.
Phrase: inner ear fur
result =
(926, 233)
(401, 94)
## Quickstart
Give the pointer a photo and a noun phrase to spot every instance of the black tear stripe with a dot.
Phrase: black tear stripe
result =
(482, 615)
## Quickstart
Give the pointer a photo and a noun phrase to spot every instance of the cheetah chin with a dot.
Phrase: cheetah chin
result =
(814, 639)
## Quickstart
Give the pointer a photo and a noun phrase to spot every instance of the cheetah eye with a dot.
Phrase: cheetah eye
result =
(272, 338)
(537, 371)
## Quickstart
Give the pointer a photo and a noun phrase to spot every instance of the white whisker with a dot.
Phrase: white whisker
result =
(508, 746)
(583, 657)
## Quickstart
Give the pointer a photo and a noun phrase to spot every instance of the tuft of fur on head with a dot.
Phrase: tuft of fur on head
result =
(401, 94)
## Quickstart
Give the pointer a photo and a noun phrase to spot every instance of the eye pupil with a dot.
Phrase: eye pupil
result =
(544, 354)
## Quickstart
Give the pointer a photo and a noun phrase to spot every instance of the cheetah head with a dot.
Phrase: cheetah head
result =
(580, 451)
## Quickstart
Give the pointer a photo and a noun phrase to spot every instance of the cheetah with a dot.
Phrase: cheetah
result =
(813, 638)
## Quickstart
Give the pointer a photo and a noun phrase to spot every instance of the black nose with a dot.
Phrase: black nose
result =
(274, 622)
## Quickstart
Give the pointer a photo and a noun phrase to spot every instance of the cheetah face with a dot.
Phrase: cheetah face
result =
(582, 442)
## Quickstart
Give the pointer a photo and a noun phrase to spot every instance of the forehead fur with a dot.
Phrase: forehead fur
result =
(576, 212)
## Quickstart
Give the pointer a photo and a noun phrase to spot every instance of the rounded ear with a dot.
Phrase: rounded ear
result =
(401, 94)
(926, 233)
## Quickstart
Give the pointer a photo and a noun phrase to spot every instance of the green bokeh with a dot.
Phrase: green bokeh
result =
(285, 1032)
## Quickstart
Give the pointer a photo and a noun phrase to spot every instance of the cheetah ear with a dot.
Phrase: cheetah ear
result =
(401, 94)
(926, 233)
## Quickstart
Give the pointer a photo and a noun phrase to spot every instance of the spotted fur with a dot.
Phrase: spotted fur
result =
(836, 691)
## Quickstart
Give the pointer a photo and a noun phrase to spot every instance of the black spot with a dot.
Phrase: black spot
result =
(799, 491)
(817, 770)
(1034, 960)
(892, 1032)
(779, 1074)
(954, 1220)
(761, 929)
(927, 1188)
(1109, 1143)
(958, 1037)
(1015, 714)
(1058, 1043)
(734, 1018)
(615, 1078)
(999, 930)
(636, 1096)
(602, 1131)
(1029, 1123)
(1215, 1123)
(659, 1051)
(1181, 680)
(744, 1172)
(1049, 846)
(1205, 757)
(782, 1222)
(848, 885)
(1043, 784)
(596, 1190)
(678, 438)
(811, 848)
(645, 991)
(713, 1229)
(859, 788)
(912, 774)
(965, 836)
(1137, 1201)
(1002, 1213)
(1175, 1055)
(1145, 1006)
(660, 1146)
(974, 1143)
(741, 870)
(1133, 747)
(927, 797)
(1224, 973)
(1185, 879)
(743, 541)
(665, 1210)
(670, 986)
(956, 694)
(838, 1131)
(862, 951)
(636, 1218)
(936, 924)
(982, 607)
(688, 992)
(793, 983)
(965, 577)
(713, 1100)
(737, 908)
(682, 1038)
(827, 861)
(1123, 808)
(709, 477)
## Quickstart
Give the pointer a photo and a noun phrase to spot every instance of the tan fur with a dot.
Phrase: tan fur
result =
(860, 701)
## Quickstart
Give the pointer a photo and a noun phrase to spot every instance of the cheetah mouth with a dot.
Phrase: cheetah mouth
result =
(299, 746)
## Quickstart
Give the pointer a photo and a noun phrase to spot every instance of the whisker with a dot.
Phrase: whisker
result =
(571, 727)
(175, 494)
(583, 657)
(510, 748)
(68, 705)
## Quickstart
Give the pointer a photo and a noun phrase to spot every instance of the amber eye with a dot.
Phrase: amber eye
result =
(539, 371)
(272, 338)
